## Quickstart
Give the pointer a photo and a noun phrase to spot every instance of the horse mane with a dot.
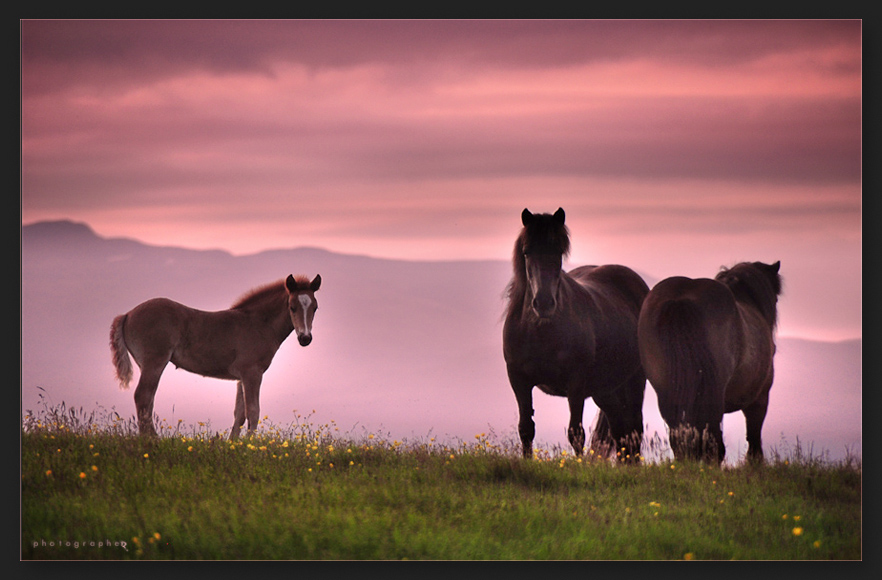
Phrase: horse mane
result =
(545, 233)
(517, 287)
(756, 283)
(262, 294)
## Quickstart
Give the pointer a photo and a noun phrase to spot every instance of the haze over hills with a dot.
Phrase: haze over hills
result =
(405, 349)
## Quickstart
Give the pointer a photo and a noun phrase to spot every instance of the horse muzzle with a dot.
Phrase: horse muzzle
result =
(544, 306)
(304, 339)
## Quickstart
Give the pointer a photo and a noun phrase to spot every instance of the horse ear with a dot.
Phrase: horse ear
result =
(526, 217)
(316, 282)
(291, 283)
(776, 267)
(560, 216)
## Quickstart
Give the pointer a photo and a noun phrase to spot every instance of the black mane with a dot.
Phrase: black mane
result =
(755, 283)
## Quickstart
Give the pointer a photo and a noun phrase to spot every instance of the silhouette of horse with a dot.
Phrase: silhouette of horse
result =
(236, 344)
(707, 347)
(573, 335)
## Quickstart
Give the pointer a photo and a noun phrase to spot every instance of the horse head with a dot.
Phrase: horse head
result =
(544, 242)
(302, 305)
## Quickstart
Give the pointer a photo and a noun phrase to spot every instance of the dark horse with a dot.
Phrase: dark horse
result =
(573, 335)
(707, 347)
(236, 344)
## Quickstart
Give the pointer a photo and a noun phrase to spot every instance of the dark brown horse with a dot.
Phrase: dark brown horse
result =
(707, 347)
(236, 344)
(573, 335)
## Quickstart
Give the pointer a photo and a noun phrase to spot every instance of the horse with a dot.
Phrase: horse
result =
(235, 344)
(574, 335)
(708, 348)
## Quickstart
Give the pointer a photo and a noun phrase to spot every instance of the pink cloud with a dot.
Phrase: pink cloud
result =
(426, 139)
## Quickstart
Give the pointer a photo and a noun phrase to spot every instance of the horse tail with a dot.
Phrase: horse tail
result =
(121, 361)
(690, 363)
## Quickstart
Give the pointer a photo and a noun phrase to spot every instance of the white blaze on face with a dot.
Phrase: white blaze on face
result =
(305, 303)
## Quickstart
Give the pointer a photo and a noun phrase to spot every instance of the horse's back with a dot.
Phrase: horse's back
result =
(156, 312)
(713, 298)
(614, 282)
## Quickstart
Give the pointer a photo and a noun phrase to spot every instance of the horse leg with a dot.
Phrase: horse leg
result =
(144, 395)
(713, 447)
(633, 394)
(707, 421)
(754, 415)
(523, 391)
(251, 388)
(239, 413)
(575, 431)
(602, 442)
(623, 409)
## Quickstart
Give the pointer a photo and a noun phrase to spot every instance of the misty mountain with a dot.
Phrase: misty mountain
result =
(401, 348)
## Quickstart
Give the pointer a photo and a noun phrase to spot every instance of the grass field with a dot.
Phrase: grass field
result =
(92, 489)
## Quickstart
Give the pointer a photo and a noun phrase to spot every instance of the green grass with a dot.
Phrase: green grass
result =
(306, 492)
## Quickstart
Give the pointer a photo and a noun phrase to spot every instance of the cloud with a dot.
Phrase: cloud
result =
(242, 45)
(321, 131)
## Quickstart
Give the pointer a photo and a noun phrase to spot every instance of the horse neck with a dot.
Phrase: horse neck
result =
(269, 306)
(758, 298)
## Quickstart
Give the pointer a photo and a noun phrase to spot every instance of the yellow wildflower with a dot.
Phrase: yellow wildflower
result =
(797, 531)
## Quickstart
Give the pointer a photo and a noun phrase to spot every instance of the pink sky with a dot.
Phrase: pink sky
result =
(674, 146)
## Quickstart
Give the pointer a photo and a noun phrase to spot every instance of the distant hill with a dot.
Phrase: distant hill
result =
(411, 349)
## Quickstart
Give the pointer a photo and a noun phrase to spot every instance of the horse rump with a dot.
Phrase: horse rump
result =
(687, 391)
